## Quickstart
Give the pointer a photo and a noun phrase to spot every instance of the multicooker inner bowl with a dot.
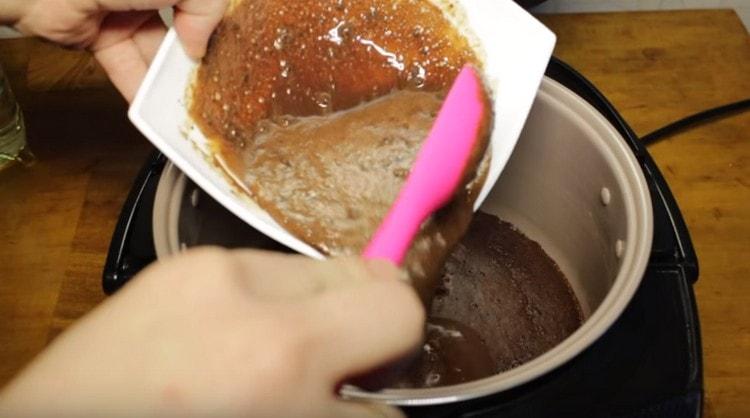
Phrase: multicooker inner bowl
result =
(572, 185)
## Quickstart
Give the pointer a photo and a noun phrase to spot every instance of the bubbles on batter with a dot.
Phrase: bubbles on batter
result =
(323, 100)
(282, 38)
(397, 36)
(271, 58)
(339, 33)
(284, 120)
(432, 379)
(285, 68)
(417, 76)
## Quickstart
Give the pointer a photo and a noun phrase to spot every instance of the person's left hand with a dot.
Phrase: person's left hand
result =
(124, 35)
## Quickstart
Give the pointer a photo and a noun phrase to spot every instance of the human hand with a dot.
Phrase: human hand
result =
(124, 35)
(220, 333)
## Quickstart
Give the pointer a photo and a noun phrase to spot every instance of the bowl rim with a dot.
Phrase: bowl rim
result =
(493, 27)
(638, 207)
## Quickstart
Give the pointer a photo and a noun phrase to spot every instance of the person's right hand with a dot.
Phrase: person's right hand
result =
(227, 333)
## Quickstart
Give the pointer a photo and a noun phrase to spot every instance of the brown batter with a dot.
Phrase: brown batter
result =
(329, 179)
(320, 106)
(271, 58)
(502, 302)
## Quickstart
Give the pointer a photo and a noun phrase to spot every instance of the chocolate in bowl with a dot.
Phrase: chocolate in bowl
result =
(501, 302)
(318, 109)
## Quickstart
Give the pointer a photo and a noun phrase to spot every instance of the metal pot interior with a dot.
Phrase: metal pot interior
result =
(572, 185)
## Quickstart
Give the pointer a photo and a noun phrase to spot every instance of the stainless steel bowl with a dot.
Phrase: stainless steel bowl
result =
(572, 185)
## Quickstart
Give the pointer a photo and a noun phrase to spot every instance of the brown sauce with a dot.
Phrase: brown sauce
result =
(320, 106)
(271, 58)
(501, 303)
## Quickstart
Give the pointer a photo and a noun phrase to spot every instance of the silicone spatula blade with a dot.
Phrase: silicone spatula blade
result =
(437, 171)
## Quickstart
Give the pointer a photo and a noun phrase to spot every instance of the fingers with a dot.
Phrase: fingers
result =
(358, 328)
(195, 20)
(129, 40)
(148, 37)
(357, 314)
(274, 276)
(352, 315)
(122, 50)
(124, 65)
(117, 27)
(365, 410)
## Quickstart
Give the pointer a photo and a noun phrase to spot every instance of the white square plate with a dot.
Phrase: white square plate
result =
(515, 49)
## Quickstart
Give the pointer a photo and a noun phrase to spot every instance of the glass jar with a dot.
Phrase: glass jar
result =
(13, 146)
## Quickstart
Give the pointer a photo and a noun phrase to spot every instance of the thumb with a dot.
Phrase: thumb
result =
(195, 21)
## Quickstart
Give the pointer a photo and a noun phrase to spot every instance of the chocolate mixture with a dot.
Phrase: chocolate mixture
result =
(320, 106)
(273, 58)
(502, 302)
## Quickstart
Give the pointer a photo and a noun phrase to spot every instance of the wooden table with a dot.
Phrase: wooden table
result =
(56, 218)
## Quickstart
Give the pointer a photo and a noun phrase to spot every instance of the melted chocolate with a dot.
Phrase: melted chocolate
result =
(319, 108)
(502, 302)
(271, 58)
(330, 179)
(452, 353)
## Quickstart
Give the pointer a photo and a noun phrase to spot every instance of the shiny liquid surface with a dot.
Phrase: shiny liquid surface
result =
(271, 58)
(501, 303)
(319, 108)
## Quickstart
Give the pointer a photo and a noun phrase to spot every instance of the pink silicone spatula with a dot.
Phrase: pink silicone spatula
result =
(437, 171)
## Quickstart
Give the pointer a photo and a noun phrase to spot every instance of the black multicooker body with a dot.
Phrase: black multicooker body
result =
(647, 365)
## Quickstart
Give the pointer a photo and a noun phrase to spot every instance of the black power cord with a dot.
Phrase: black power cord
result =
(696, 119)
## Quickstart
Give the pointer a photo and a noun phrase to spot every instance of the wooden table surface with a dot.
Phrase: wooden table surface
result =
(57, 217)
